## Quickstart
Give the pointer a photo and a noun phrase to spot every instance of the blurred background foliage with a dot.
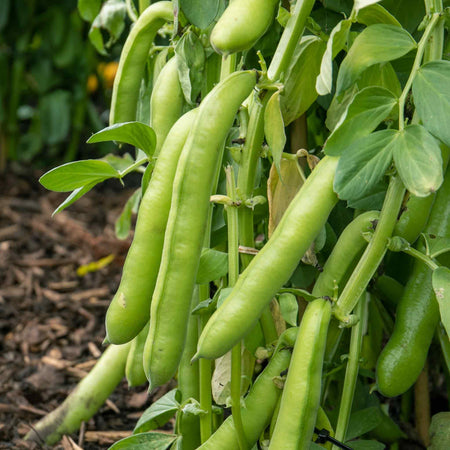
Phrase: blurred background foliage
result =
(57, 66)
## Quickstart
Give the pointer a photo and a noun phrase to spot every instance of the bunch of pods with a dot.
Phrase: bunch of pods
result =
(291, 236)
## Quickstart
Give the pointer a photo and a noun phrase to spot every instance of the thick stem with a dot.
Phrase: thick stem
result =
(351, 373)
(374, 252)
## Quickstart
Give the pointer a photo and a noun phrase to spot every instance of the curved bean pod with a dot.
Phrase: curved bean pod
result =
(186, 225)
(129, 310)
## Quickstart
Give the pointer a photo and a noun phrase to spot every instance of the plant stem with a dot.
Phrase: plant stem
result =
(351, 373)
(374, 252)
(143, 4)
(421, 257)
(233, 274)
(417, 62)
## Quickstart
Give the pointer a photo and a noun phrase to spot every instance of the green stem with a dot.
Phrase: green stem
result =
(143, 4)
(351, 372)
(417, 62)
(421, 257)
(435, 45)
(233, 274)
(373, 254)
(289, 39)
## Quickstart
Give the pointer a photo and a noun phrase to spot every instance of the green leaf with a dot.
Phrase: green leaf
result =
(274, 129)
(440, 430)
(123, 222)
(338, 107)
(368, 108)
(289, 308)
(376, 44)
(418, 161)
(110, 18)
(77, 174)
(88, 9)
(382, 75)
(145, 441)
(299, 293)
(373, 200)
(431, 92)
(408, 13)
(213, 265)
(376, 14)
(191, 63)
(436, 245)
(159, 413)
(336, 42)
(74, 196)
(363, 164)
(441, 287)
(200, 13)
(134, 133)
(299, 84)
(363, 421)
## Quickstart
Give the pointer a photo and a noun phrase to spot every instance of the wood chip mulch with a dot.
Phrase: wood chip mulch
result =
(51, 319)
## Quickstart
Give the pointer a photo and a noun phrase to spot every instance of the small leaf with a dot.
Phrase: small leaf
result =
(376, 14)
(299, 91)
(376, 44)
(74, 196)
(440, 430)
(191, 63)
(120, 163)
(200, 13)
(441, 287)
(299, 293)
(436, 245)
(418, 160)
(134, 133)
(367, 109)
(213, 265)
(431, 92)
(363, 164)
(336, 42)
(123, 223)
(363, 421)
(145, 441)
(274, 128)
(289, 308)
(88, 9)
(77, 174)
(159, 413)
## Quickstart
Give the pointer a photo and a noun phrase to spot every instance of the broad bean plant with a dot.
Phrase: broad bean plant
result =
(289, 263)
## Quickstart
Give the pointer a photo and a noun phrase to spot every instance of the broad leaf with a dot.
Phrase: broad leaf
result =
(134, 133)
(145, 441)
(363, 444)
(299, 293)
(373, 200)
(299, 85)
(274, 128)
(159, 413)
(123, 222)
(376, 44)
(88, 9)
(431, 92)
(213, 265)
(359, 4)
(200, 13)
(77, 174)
(368, 108)
(376, 14)
(363, 421)
(436, 245)
(441, 287)
(381, 75)
(336, 42)
(440, 430)
(120, 163)
(289, 308)
(74, 196)
(418, 160)
(338, 107)
(363, 164)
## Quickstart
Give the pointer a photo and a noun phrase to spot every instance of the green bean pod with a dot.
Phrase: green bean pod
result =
(301, 395)
(260, 404)
(132, 61)
(417, 315)
(242, 23)
(129, 310)
(166, 102)
(273, 265)
(134, 369)
(187, 223)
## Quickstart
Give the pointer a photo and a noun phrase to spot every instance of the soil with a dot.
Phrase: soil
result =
(51, 319)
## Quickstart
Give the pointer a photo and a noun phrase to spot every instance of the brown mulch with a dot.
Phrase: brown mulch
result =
(51, 319)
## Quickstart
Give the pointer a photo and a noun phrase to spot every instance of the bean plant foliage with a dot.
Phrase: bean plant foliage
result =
(289, 265)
